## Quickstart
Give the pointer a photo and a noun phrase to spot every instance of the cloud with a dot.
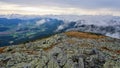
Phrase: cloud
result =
(60, 27)
(40, 22)
(63, 26)
(70, 3)
(114, 35)
(57, 7)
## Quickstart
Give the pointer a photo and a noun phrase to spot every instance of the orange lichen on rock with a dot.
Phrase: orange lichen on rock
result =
(83, 35)
(2, 49)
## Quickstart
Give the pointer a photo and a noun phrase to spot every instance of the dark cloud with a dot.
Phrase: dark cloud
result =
(86, 4)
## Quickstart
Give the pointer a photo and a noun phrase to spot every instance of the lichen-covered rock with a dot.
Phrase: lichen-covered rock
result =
(63, 51)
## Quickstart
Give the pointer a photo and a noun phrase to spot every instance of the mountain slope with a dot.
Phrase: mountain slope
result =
(15, 29)
(65, 50)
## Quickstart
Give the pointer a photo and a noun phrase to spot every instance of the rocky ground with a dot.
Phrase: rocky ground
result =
(65, 50)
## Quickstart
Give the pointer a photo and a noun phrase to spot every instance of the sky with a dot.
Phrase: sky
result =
(60, 7)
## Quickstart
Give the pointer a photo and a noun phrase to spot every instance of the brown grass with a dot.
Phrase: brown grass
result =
(86, 45)
(51, 46)
(110, 40)
(105, 48)
(71, 41)
(117, 51)
(83, 35)
(111, 50)
(30, 51)
(2, 49)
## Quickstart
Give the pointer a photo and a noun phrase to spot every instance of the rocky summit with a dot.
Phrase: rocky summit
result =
(65, 50)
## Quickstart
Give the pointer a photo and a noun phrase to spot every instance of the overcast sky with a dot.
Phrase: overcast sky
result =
(57, 7)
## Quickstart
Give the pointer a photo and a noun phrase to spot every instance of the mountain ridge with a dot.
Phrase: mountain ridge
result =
(65, 50)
